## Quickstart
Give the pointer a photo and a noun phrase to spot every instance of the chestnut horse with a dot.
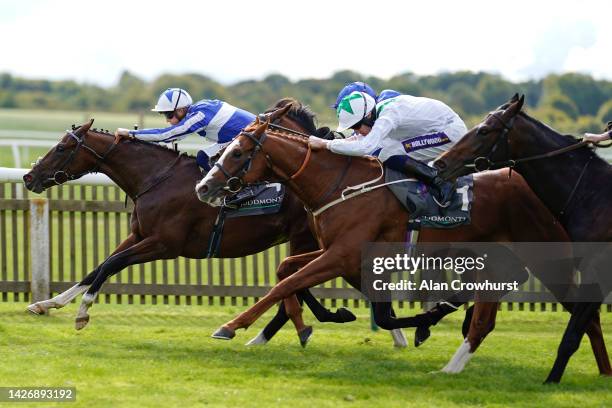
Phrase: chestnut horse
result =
(318, 177)
(168, 220)
(569, 178)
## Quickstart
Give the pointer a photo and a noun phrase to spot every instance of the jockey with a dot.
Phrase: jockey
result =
(405, 132)
(215, 120)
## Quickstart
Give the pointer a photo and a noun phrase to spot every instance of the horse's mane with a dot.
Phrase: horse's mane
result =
(565, 140)
(141, 142)
(551, 133)
(302, 114)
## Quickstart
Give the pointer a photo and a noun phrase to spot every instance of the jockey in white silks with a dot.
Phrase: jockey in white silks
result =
(405, 132)
(215, 120)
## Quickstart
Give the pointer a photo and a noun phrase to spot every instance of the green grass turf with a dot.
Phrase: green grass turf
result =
(163, 356)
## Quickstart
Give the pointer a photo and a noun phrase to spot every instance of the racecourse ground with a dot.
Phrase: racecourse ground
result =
(134, 355)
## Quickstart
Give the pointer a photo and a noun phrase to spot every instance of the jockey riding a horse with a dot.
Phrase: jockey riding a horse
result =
(217, 121)
(404, 131)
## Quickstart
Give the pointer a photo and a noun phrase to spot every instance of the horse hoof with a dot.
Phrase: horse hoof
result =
(345, 315)
(258, 340)
(36, 309)
(81, 322)
(421, 334)
(305, 336)
(224, 333)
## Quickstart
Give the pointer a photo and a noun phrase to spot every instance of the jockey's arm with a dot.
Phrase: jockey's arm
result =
(365, 145)
(190, 124)
(591, 137)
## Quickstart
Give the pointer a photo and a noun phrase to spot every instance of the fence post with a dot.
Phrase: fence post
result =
(39, 248)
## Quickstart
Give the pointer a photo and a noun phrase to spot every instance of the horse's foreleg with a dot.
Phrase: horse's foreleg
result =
(146, 250)
(287, 308)
(325, 267)
(66, 297)
(483, 322)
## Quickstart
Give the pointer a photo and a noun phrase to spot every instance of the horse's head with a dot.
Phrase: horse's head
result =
(241, 164)
(484, 144)
(74, 156)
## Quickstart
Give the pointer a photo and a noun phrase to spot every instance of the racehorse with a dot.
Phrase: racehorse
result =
(168, 220)
(569, 178)
(318, 177)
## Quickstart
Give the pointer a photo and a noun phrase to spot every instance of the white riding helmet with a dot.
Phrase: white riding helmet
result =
(353, 108)
(172, 99)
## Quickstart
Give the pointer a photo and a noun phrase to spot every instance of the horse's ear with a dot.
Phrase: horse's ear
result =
(515, 107)
(257, 120)
(84, 128)
(521, 101)
(279, 113)
(262, 128)
(514, 98)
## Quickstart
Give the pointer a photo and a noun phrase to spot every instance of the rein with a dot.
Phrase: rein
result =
(485, 163)
(165, 175)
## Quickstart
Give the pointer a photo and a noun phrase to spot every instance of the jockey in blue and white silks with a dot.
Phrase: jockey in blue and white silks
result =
(404, 131)
(215, 120)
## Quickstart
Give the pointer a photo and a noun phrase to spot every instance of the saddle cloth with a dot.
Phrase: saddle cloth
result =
(417, 199)
(256, 200)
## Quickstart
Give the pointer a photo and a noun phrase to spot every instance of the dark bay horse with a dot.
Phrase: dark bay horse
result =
(569, 178)
(260, 153)
(168, 220)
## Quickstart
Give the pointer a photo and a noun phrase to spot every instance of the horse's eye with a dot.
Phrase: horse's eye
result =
(60, 148)
(484, 130)
(237, 153)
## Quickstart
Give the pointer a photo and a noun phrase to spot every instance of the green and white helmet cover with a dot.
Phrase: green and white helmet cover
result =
(352, 108)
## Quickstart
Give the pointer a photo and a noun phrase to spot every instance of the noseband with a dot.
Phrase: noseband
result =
(62, 175)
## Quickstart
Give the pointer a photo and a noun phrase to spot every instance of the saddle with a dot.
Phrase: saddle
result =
(424, 211)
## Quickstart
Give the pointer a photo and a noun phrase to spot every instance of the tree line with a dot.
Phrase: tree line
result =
(569, 102)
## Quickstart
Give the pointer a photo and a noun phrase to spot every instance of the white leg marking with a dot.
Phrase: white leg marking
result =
(258, 340)
(58, 301)
(399, 338)
(460, 359)
(82, 316)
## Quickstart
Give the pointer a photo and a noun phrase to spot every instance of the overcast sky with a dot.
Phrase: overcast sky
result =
(231, 40)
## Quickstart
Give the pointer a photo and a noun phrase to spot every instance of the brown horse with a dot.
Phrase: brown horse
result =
(168, 220)
(569, 178)
(319, 177)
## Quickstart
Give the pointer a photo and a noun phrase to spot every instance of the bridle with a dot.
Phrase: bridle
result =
(235, 183)
(483, 163)
(62, 175)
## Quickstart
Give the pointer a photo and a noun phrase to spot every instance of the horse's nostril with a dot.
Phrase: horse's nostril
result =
(440, 165)
(28, 178)
(203, 189)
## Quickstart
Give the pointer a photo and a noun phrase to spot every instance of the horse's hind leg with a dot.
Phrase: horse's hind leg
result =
(581, 317)
(598, 345)
(66, 297)
(483, 322)
(147, 250)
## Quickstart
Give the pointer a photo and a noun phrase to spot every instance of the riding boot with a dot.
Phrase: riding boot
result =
(443, 188)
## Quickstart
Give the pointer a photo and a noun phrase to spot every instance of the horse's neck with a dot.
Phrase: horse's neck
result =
(552, 179)
(323, 172)
(133, 166)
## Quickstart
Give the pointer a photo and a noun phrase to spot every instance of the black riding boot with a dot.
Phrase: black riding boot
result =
(443, 188)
